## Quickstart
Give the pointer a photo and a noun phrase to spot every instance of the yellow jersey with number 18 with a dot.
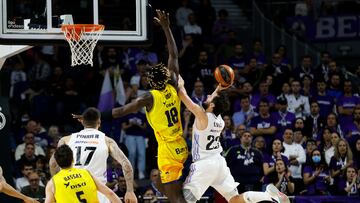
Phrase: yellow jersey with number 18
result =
(164, 117)
(74, 185)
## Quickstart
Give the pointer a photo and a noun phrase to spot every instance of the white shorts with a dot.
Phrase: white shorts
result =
(210, 172)
(102, 198)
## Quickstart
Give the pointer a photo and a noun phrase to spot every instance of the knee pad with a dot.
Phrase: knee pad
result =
(189, 196)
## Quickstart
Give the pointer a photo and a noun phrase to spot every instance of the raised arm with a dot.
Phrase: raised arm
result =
(173, 64)
(9, 190)
(120, 157)
(199, 112)
(145, 100)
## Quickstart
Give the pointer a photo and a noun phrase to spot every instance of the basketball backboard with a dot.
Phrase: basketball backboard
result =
(35, 22)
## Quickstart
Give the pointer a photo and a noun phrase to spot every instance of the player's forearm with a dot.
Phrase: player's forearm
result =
(7, 189)
(113, 198)
(128, 175)
(173, 51)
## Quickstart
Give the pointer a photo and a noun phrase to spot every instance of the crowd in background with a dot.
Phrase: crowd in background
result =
(295, 127)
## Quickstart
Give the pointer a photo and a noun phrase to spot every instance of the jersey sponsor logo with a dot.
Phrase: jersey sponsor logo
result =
(86, 142)
(168, 105)
(215, 131)
(79, 185)
(180, 150)
(72, 176)
(167, 96)
(96, 136)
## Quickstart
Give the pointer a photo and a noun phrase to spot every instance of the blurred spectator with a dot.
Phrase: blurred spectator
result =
(307, 87)
(26, 170)
(221, 27)
(154, 177)
(147, 55)
(41, 70)
(191, 27)
(263, 124)
(245, 115)
(206, 16)
(110, 60)
(333, 124)
(245, 164)
(329, 153)
(190, 57)
(202, 70)
(314, 122)
(342, 158)
(149, 196)
(325, 101)
(334, 86)
(269, 160)
(255, 73)
(310, 147)
(283, 118)
(296, 155)
(299, 138)
(282, 51)
(228, 133)
(346, 104)
(20, 149)
(34, 190)
(278, 70)
(134, 126)
(322, 69)
(352, 129)
(285, 90)
(357, 154)
(41, 168)
(263, 93)
(257, 53)
(238, 60)
(182, 13)
(297, 103)
(349, 185)
(316, 175)
(199, 96)
(28, 156)
(17, 77)
(113, 172)
(259, 143)
(128, 61)
(281, 177)
(306, 68)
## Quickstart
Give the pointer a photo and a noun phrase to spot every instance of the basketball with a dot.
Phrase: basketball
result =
(224, 75)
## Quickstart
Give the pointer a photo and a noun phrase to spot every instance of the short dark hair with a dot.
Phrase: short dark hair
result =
(158, 76)
(222, 104)
(90, 116)
(64, 156)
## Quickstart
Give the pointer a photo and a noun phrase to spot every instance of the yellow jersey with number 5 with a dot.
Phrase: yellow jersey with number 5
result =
(164, 117)
(74, 185)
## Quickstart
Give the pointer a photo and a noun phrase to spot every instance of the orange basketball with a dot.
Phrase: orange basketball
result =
(224, 75)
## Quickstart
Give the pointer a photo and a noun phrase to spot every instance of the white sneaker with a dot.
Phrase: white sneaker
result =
(276, 195)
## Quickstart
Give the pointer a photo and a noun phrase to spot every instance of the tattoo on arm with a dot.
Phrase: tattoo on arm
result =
(120, 157)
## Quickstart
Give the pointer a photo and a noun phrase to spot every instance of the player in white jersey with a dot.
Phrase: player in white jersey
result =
(209, 168)
(91, 149)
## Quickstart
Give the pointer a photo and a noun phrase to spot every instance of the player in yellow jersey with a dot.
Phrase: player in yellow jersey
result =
(9, 190)
(162, 106)
(74, 185)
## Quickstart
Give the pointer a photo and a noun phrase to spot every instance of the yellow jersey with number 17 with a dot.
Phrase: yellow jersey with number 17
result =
(74, 185)
(164, 116)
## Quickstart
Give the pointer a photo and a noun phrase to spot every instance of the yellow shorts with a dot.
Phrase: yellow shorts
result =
(171, 158)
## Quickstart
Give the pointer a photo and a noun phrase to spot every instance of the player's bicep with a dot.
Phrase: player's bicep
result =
(49, 191)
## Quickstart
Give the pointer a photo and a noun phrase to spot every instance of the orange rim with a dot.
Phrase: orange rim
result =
(79, 28)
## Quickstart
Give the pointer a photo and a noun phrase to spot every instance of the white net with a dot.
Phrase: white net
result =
(82, 40)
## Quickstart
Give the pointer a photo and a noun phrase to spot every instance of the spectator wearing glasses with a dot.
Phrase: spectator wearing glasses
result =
(34, 190)
(28, 138)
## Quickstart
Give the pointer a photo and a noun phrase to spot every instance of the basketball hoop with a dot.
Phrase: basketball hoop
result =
(82, 39)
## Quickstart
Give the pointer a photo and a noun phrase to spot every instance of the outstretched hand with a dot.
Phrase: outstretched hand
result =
(77, 117)
(162, 18)
(220, 88)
